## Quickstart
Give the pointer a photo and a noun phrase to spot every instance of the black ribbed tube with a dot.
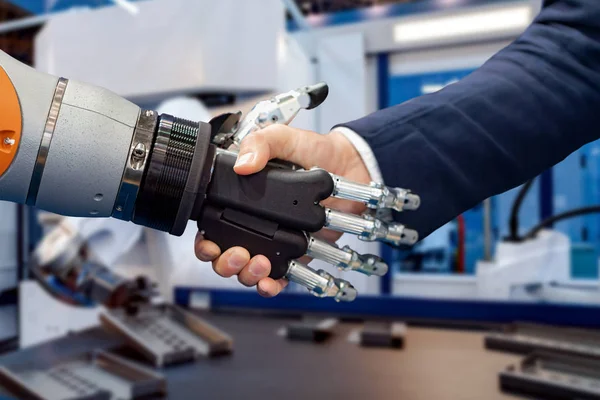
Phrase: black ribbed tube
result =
(167, 172)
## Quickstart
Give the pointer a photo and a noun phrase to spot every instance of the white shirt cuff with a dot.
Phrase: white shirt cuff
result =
(365, 152)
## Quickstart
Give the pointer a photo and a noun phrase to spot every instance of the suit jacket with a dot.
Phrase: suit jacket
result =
(526, 109)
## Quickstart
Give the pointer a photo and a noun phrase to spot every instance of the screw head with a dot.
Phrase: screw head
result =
(149, 113)
(8, 141)
(139, 151)
(138, 155)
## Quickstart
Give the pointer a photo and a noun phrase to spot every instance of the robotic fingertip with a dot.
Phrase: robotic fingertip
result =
(347, 293)
(317, 93)
(410, 236)
(412, 202)
(377, 268)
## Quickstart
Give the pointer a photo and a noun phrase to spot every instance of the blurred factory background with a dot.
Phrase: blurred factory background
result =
(197, 59)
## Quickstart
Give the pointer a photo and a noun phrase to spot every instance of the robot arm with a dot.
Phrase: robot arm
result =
(82, 151)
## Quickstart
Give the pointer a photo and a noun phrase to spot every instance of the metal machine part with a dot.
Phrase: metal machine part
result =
(556, 376)
(176, 167)
(98, 375)
(42, 156)
(87, 153)
(168, 335)
(525, 338)
(380, 334)
(139, 153)
(310, 329)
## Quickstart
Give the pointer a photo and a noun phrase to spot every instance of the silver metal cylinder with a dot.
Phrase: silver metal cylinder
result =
(351, 224)
(375, 195)
(345, 189)
(329, 253)
(370, 229)
(320, 283)
(307, 277)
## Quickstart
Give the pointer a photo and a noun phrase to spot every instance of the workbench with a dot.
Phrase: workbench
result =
(435, 364)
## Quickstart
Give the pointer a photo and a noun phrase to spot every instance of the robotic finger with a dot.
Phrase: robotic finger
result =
(320, 283)
(370, 229)
(375, 195)
(345, 258)
(229, 131)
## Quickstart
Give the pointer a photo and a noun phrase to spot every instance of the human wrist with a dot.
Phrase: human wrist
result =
(360, 153)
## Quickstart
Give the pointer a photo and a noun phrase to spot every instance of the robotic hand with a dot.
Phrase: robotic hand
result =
(79, 150)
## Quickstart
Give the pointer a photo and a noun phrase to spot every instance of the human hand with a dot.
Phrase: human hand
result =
(332, 152)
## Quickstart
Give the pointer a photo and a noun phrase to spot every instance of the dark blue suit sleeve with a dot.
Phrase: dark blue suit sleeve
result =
(526, 109)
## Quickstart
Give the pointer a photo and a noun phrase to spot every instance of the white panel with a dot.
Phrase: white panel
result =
(169, 47)
(444, 59)
(342, 65)
(434, 286)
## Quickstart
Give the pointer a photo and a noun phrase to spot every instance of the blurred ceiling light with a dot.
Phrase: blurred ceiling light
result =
(472, 23)
(128, 6)
(376, 11)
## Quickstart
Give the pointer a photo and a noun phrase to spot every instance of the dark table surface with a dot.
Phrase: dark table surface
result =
(435, 364)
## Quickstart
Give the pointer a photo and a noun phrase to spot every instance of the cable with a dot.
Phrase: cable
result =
(567, 214)
(514, 214)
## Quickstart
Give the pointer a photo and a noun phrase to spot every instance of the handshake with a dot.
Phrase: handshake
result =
(280, 197)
